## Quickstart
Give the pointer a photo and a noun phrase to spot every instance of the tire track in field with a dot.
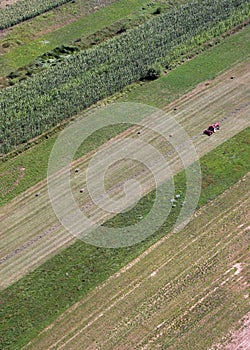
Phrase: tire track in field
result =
(27, 239)
(76, 316)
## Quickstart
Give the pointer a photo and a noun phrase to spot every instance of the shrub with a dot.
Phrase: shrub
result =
(154, 71)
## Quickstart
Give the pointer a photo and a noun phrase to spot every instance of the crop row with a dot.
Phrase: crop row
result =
(39, 103)
(26, 9)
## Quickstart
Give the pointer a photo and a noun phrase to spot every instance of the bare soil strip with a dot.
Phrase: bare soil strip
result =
(30, 230)
(183, 293)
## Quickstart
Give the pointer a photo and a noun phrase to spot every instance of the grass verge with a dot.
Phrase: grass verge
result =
(36, 300)
(157, 93)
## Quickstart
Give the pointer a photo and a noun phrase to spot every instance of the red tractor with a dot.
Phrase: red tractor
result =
(212, 129)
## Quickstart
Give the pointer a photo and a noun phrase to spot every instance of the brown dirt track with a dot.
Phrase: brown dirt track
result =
(185, 292)
(31, 232)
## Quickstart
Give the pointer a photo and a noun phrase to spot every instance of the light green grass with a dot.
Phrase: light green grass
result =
(158, 93)
(37, 299)
(98, 20)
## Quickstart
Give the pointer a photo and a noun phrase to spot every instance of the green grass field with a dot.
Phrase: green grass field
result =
(157, 93)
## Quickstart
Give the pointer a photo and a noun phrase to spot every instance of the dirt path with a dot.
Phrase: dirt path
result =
(182, 293)
(30, 231)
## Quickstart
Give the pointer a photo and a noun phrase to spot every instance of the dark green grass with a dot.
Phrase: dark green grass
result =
(38, 298)
(157, 93)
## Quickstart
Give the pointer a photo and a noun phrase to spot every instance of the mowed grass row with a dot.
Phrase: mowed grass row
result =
(36, 300)
(158, 93)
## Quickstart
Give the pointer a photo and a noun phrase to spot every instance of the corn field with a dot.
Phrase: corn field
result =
(26, 9)
(42, 101)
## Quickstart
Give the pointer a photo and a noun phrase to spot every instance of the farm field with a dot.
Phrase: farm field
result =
(185, 292)
(28, 239)
(62, 26)
(21, 10)
(37, 104)
(171, 289)
(157, 93)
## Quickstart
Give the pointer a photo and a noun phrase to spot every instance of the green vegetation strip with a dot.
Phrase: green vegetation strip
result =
(99, 20)
(158, 93)
(41, 102)
(26, 9)
(36, 300)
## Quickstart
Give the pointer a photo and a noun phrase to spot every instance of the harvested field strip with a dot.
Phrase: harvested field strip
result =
(137, 283)
(187, 282)
(51, 288)
(29, 223)
(237, 338)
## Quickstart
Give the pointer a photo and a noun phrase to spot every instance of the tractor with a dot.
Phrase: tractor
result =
(212, 129)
